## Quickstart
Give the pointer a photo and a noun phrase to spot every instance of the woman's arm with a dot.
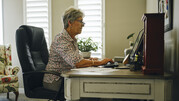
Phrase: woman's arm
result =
(91, 62)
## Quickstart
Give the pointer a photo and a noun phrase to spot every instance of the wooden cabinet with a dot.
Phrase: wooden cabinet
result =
(153, 49)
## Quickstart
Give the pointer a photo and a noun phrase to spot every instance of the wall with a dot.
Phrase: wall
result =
(151, 6)
(58, 8)
(171, 52)
(123, 17)
(13, 18)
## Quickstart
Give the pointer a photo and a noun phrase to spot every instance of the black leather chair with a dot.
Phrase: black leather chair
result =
(33, 56)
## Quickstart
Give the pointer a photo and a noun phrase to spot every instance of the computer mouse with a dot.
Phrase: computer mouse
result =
(116, 63)
(108, 63)
(111, 65)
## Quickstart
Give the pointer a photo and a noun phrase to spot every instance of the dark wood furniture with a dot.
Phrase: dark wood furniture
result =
(153, 49)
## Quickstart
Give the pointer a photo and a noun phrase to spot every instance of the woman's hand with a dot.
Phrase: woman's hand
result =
(92, 62)
(105, 61)
(94, 59)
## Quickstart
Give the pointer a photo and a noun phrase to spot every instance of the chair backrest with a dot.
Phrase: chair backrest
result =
(5, 57)
(33, 54)
(31, 48)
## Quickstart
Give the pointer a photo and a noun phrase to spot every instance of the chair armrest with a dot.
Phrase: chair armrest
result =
(43, 72)
(10, 70)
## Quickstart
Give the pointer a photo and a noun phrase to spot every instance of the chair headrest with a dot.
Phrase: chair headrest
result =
(35, 36)
(32, 48)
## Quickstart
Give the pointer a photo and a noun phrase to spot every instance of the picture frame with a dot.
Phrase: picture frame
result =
(166, 6)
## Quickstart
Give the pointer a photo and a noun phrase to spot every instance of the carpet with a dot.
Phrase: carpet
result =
(22, 97)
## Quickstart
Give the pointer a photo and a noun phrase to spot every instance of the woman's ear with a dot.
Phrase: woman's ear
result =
(69, 23)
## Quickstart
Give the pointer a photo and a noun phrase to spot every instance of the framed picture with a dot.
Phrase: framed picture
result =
(166, 6)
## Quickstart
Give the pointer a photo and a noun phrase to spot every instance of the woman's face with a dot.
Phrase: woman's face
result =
(77, 26)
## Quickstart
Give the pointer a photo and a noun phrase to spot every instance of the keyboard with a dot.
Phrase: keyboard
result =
(115, 65)
(122, 67)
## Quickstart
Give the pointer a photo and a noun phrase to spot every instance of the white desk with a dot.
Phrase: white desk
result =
(120, 83)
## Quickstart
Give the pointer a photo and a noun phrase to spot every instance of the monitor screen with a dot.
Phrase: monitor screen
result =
(138, 47)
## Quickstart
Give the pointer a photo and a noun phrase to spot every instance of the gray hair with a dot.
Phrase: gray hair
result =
(71, 15)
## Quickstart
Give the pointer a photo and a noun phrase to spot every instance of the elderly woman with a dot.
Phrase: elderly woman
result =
(64, 53)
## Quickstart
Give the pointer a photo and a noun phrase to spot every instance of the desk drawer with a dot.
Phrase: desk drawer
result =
(117, 88)
(134, 88)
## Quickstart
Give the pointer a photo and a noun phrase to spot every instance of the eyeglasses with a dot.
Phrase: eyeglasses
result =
(81, 21)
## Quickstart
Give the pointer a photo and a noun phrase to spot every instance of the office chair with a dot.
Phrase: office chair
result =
(33, 56)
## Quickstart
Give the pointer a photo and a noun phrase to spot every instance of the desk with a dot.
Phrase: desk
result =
(116, 83)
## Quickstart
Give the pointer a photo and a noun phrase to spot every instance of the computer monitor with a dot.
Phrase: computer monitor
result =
(137, 48)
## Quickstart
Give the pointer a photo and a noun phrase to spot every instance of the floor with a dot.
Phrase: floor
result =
(22, 97)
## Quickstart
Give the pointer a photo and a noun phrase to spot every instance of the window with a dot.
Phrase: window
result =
(1, 24)
(37, 13)
(93, 19)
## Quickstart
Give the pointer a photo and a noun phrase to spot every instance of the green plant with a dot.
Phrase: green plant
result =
(131, 36)
(87, 45)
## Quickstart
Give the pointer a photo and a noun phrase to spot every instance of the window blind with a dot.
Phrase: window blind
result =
(1, 24)
(38, 14)
(93, 22)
